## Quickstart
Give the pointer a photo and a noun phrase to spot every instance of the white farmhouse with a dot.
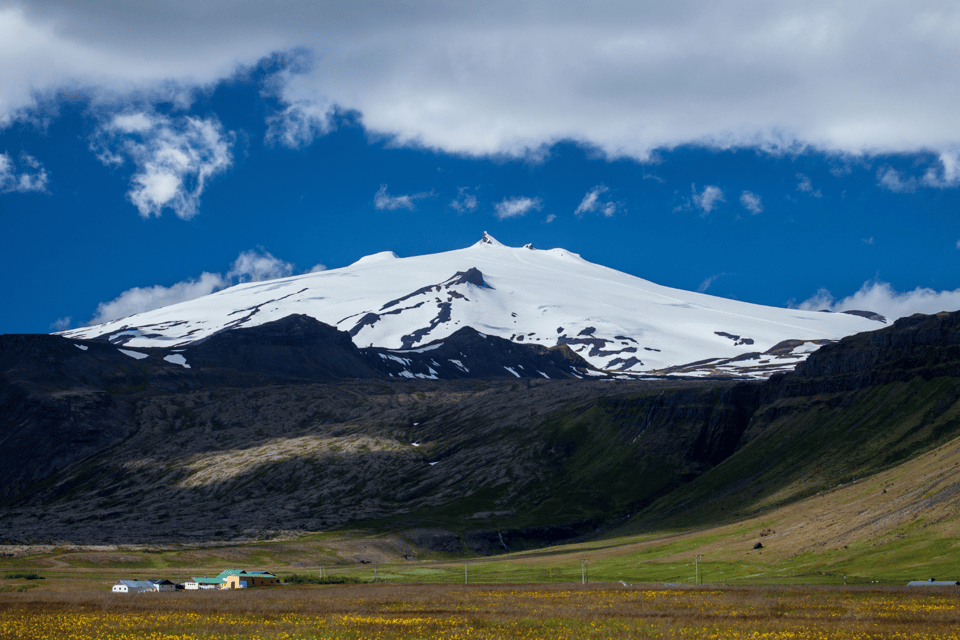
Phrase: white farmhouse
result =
(133, 586)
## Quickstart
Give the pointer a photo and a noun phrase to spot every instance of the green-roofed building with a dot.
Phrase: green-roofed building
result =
(240, 579)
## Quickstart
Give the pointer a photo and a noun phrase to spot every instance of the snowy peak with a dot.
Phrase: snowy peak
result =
(425, 310)
(376, 257)
(617, 322)
(488, 239)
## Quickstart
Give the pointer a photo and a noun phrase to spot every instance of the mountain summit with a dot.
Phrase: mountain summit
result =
(617, 322)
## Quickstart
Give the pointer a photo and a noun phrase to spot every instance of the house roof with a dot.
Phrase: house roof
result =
(241, 572)
(217, 580)
(137, 584)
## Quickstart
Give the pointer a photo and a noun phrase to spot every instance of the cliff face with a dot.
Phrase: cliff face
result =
(861, 405)
(927, 346)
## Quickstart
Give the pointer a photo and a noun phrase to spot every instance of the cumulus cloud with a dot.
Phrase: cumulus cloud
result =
(595, 202)
(465, 201)
(751, 202)
(516, 207)
(256, 266)
(947, 175)
(31, 176)
(944, 174)
(551, 217)
(628, 78)
(140, 299)
(707, 199)
(882, 298)
(383, 200)
(174, 158)
(250, 266)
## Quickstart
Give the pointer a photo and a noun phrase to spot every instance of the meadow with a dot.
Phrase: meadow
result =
(556, 611)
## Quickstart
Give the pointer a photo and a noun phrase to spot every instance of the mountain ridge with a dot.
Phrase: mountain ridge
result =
(548, 297)
(161, 452)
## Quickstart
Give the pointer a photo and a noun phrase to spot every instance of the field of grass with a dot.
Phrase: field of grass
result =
(895, 526)
(389, 611)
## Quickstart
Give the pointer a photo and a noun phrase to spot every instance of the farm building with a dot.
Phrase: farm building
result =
(203, 583)
(933, 583)
(133, 586)
(234, 579)
(163, 585)
(239, 579)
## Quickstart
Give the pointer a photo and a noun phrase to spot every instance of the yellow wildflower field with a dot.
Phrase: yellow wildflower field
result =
(456, 612)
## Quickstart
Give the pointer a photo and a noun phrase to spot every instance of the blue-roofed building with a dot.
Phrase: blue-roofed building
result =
(133, 586)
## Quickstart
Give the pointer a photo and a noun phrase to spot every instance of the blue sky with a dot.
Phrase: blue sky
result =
(158, 151)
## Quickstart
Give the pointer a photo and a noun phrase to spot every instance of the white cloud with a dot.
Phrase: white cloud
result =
(140, 299)
(709, 281)
(61, 324)
(945, 174)
(507, 77)
(516, 207)
(882, 298)
(751, 202)
(589, 202)
(806, 185)
(948, 174)
(892, 180)
(383, 200)
(317, 268)
(464, 202)
(250, 266)
(707, 200)
(256, 266)
(174, 158)
(300, 124)
(868, 241)
(551, 217)
(33, 178)
(594, 201)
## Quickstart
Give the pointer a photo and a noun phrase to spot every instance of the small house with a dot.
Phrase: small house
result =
(203, 583)
(240, 579)
(163, 585)
(133, 586)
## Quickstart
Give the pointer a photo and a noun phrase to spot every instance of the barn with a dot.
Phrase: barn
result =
(240, 579)
(133, 586)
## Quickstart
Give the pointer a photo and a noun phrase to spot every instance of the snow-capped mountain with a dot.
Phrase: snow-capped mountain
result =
(617, 322)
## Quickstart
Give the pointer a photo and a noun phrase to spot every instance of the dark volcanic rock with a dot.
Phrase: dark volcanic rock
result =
(435, 540)
(263, 433)
(467, 353)
(921, 345)
(297, 346)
